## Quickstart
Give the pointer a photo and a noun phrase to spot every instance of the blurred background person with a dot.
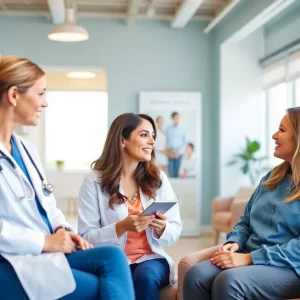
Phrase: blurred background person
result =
(176, 142)
(188, 163)
(161, 146)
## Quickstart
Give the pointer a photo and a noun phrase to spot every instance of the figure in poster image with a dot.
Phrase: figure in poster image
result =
(188, 165)
(176, 143)
(161, 146)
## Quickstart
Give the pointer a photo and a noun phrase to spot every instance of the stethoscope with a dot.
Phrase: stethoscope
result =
(47, 188)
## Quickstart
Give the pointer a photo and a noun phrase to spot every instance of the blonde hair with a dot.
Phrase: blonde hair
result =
(282, 170)
(18, 71)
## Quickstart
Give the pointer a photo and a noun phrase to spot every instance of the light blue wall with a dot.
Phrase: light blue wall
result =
(284, 29)
(243, 13)
(149, 56)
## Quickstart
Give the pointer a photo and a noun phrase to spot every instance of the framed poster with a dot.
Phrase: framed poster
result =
(178, 148)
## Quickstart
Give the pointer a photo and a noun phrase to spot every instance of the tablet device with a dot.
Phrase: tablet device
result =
(160, 207)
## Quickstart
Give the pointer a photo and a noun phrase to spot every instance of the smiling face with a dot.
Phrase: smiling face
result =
(29, 104)
(139, 146)
(285, 141)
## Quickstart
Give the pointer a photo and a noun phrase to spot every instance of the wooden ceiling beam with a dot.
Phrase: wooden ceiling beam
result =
(57, 11)
(96, 15)
(2, 5)
(221, 15)
(151, 8)
(185, 12)
(133, 11)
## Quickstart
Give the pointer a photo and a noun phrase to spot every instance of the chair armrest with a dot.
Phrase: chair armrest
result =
(221, 204)
(237, 210)
(190, 260)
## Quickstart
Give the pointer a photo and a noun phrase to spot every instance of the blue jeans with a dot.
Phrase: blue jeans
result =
(173, 166)
(149, 277)
(100, 273)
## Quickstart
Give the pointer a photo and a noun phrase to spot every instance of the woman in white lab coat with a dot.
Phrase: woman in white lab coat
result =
(124, 181)
(40, 257)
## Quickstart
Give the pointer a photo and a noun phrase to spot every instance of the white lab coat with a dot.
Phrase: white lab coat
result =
(97, 222)
(44, 276)
(160, 145)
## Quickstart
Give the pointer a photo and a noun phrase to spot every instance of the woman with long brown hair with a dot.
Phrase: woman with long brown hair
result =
(261, 258)
(124, 181)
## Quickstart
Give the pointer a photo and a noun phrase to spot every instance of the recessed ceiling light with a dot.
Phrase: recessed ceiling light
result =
(81, 75)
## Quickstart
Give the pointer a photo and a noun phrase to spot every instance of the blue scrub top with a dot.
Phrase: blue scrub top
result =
(18, 158)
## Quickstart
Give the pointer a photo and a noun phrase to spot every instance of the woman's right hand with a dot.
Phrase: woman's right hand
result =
(231, 247)
(134, 223)
(61, 241)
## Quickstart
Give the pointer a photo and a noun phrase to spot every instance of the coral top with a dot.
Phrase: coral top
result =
(136, 244)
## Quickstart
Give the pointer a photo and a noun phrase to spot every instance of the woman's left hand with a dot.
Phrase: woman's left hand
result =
(81, 243)
(228, 260)
(158, 224)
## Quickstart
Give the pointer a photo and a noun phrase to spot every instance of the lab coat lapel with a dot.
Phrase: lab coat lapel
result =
(122, 209)
(24, 178)
(33, 174)
(146, 201)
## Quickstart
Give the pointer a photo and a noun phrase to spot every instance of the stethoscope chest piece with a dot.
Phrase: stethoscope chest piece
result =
(47, 188)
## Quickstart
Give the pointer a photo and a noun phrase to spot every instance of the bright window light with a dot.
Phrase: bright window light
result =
(76, 128)
(277, 106)
(297, 86)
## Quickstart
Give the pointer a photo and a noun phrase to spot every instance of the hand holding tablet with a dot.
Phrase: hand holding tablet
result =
(158, 207)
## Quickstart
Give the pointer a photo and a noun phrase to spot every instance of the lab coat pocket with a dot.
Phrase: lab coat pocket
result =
(48, 267)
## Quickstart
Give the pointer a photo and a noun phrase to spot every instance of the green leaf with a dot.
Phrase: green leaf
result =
(252, 147)
(248, 160)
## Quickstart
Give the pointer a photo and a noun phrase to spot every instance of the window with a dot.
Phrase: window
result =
(76, 127)
(297, 91)
(277, 98)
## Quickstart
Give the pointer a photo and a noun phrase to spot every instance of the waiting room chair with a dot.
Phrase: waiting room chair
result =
(169, 292)
(226, 211)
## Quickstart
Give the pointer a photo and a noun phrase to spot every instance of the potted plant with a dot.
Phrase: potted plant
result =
(59, 164)
(250, 163)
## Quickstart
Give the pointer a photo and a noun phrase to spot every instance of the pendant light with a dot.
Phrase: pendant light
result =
(69, 31)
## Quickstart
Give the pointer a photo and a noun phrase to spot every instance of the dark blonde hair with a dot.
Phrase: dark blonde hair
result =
(282, 170)
(110, 163)
(18, 71)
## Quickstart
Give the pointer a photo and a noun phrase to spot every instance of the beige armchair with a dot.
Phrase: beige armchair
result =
(175, 292)
(169, 293)
(227, 211)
